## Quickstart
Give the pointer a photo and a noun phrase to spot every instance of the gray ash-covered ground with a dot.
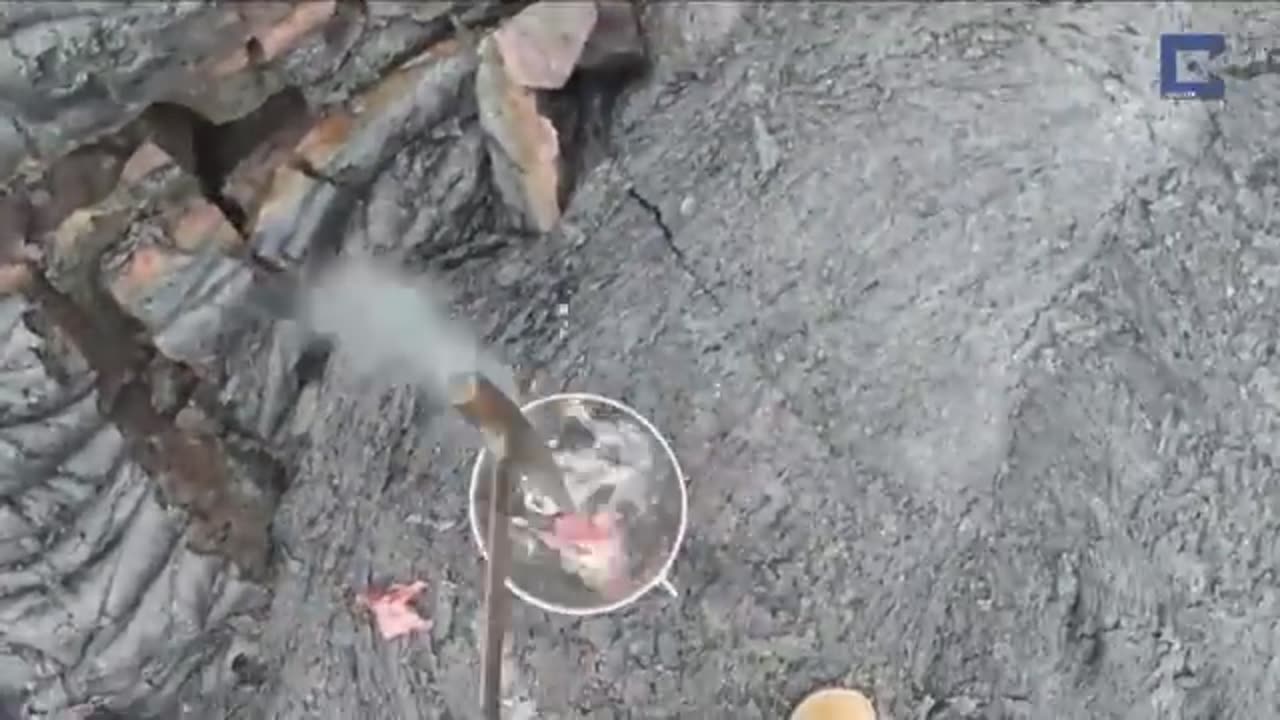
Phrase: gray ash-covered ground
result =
(966, 341)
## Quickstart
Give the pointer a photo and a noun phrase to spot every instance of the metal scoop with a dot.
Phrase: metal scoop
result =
(520, 453)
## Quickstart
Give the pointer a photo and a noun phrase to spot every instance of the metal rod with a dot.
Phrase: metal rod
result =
(518, 452)
(509, 435)
(497, 599)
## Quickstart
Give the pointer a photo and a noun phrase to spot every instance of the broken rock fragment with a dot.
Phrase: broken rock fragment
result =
(541, 45)
(290, 195)
(531, 59)
(525, 148)
(274, 28)
(123, 206)
(115, 270)
(220, 61)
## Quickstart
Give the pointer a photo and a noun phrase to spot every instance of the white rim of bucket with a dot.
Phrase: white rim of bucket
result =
(659, 578)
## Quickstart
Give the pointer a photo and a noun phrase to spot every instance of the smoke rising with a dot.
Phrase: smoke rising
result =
(395, 328)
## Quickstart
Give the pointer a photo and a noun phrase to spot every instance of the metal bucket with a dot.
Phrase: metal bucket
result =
(654, 521)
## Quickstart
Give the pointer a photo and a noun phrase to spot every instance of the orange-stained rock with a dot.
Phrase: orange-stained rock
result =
(145, 267)
(390, 89)
(230, 84)
(148, 158)
(151, 189)
(526, 139)
(541, 44)
(276, 27)
(306, 18)
(250, 181)
(277, 201)
(180, 229)
(71, 239)
(403, 79)
(13, 278)
(325, 139)
(280, 201)
(263, 13)
(203, 226)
